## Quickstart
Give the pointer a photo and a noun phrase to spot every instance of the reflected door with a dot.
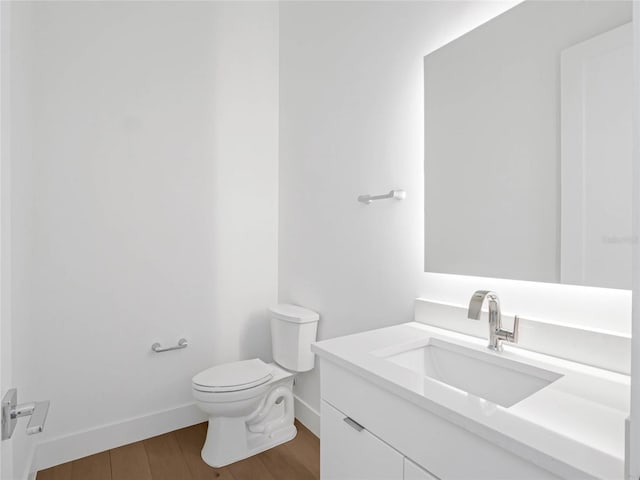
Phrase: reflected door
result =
(596, 152)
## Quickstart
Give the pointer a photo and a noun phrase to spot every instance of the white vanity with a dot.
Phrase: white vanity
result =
(414, 401)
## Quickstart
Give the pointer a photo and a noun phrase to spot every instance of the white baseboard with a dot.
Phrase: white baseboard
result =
(307, 415)
(81, 444)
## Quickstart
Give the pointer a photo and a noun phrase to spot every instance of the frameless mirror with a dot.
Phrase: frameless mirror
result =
(528, 146)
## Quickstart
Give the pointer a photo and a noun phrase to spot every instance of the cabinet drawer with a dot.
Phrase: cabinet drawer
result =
(349, 452)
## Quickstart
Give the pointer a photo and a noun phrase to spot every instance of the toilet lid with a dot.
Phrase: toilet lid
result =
(234, 376)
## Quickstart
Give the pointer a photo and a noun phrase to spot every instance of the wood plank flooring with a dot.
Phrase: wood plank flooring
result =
(176, 456)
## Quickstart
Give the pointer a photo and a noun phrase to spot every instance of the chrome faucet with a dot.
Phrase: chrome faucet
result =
(496, 334)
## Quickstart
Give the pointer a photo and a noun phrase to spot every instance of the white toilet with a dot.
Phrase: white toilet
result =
(250, 403)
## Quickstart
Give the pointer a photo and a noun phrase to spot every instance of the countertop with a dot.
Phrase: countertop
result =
(577, 420)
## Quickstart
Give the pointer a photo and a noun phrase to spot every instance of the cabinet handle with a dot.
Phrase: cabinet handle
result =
(353, 424)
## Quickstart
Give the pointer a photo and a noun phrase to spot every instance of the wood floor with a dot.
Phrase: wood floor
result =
(176, 456)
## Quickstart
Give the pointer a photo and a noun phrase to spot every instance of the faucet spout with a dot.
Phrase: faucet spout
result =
(496, 333)
(477, 300)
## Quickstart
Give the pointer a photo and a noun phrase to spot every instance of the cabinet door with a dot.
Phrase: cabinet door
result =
(414, 472)
(349, 452)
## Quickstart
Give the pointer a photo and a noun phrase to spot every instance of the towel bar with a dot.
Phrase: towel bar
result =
(182, 343)
(397, 194)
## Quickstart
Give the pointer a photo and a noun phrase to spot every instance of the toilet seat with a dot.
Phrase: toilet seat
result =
(233, 377)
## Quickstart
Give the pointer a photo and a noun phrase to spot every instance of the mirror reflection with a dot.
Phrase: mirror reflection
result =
(528, 146)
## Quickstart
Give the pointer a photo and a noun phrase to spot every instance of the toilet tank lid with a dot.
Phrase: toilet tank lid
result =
(294, 313)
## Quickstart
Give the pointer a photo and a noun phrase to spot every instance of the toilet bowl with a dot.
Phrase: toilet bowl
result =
(250, 402)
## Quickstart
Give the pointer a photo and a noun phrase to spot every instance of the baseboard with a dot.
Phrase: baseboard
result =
(81, 444)
(307, 415)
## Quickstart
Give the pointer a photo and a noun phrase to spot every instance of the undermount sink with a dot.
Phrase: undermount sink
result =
(483, 374)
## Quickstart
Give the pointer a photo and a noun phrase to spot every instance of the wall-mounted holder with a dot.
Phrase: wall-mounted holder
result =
(11, 411)
(182, 343)
(397, 194)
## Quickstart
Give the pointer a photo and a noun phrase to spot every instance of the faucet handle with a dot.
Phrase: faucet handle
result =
(516, 329)
(512, 336)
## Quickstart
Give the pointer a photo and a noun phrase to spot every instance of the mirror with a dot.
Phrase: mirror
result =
(528, 146)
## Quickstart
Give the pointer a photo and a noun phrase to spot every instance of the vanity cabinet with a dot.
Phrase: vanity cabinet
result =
(349, 451)
(395, 431)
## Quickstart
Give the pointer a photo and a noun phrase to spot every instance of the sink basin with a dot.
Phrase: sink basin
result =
(483, 374)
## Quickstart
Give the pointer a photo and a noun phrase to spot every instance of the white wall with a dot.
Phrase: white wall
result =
(351, 116)
(351, 109)
(147, 208)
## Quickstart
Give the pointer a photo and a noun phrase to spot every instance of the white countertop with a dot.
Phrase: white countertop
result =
(578, 420)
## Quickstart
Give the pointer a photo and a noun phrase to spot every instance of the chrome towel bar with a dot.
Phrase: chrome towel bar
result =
(182, 343)
(397, 194)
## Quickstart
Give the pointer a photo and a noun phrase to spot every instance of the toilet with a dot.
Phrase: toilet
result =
(250, 402)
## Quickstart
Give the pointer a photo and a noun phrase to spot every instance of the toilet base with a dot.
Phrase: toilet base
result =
(259, 445)
(239, 445)
(230, 439)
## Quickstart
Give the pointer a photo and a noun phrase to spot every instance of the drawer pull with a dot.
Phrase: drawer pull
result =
(353, 424)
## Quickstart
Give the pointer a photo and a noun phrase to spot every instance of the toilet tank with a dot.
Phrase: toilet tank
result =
(293, 330)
